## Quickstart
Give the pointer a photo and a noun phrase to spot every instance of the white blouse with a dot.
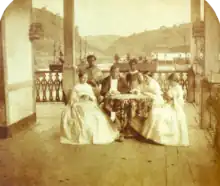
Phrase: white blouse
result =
(114, 85)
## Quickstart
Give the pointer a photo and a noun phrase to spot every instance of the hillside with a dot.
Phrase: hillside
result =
(176, 38)
(53, 38)
(153, 40)
(102, 42)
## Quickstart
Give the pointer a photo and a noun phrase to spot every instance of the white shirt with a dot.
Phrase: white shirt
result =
(114, 85)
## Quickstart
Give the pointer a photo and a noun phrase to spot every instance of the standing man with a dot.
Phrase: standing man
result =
(95, 75)
(116, 59)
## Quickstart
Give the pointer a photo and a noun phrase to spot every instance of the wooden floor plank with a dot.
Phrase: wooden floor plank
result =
(37, 158)
(178, 171)
(138, 164)
(202, 160)
(172, 166)
(156, 166)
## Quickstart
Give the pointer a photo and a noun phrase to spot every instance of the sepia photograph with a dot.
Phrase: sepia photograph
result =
(109, 93)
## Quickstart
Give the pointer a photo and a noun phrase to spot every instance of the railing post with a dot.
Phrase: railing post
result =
(198, 89)
(48, 86)
(214, 104)
(205, 115)
(217, 135)
(191, 86)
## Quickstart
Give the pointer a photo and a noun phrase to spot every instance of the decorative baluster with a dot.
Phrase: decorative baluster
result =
(57, 86)
(181, 81)
(159, 80)
(50, 87)
(61, 85)
(54, 84)
(37, 85)
(185, 84)
(44, 88)
(139, 107)
(166, 82)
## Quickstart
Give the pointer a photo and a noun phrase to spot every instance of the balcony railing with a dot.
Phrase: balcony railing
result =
(49, 84)
(210, 111)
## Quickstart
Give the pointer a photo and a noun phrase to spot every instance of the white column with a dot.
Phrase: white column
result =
(195, 14)
(69, 72)
(202, 10)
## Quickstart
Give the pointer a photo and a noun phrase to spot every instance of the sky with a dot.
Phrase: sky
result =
(122, 17)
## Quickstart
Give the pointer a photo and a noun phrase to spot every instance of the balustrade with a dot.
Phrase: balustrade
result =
(49, 86)
(161, 77)
(213, 107)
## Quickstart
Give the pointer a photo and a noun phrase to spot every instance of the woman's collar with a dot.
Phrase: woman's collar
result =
(133, 72)
(114, 79)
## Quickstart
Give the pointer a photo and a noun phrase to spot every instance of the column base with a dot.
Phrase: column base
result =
(15, 128)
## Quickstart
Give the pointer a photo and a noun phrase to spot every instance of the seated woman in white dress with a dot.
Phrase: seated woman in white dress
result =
(167, 125)
(151, 88)
(82, 121)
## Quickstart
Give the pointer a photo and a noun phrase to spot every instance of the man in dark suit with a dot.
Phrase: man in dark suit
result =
(113, 84)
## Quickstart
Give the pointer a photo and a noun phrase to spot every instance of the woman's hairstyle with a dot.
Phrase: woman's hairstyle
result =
(91, 56)
(133, 61)
(113, 67)
(173, 77)
(148, 73)
(81, 73)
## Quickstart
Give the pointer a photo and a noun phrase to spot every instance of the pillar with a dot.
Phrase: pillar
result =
(204, 112)
(69, 72)
(191, 86)
(17, 60)
(195, 14)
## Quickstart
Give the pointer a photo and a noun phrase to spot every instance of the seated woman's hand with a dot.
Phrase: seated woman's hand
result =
(167, 97)
(100, 99)
(135, 91)
(114, 92)
(92, 83)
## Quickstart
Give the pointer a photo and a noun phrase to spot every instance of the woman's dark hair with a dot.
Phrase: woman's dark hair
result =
(91, 56)
(148, 73)
(173, 77)
(133, 61)
(81, 74)
(113, 67)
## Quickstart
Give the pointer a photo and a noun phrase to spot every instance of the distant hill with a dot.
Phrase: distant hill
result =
(176, 38)
(53, 38)
(102, 42)
(153, 40)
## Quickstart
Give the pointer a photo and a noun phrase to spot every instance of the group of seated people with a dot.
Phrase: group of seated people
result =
(90, 118)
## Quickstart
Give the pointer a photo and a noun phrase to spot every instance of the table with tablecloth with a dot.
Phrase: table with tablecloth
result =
(129, 106)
